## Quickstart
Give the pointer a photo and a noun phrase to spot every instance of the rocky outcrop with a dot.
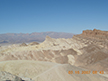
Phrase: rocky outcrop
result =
(95, 32)
(33, 43)
(5, 76)
(23, 44)
(96, 37)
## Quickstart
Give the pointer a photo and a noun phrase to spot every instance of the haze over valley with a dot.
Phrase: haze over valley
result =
(15, 38)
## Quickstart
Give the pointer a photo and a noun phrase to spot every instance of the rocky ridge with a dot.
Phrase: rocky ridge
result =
(95, 36)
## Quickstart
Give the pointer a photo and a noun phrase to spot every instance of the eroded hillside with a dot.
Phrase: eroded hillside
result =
(88, 50)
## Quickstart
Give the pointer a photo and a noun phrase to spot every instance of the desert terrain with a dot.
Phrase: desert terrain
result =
(52, 59)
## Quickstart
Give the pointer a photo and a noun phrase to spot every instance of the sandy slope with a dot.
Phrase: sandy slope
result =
(47, 71)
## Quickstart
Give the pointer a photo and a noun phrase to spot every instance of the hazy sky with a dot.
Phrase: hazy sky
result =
(73, 16)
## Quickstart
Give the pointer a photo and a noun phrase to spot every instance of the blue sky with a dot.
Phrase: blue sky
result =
(72, 16)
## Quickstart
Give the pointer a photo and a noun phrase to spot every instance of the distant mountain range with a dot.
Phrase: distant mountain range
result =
(39, 37)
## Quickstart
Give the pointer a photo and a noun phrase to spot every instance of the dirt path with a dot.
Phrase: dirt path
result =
(46, 71)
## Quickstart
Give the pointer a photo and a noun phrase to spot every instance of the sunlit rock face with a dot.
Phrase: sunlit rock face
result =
(95, 36)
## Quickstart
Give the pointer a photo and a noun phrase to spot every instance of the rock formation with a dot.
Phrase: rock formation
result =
(23, 44)
(33, 43)
(95, 54)
(6, 76)
(88, 50)
(95, 36)
(95, 33)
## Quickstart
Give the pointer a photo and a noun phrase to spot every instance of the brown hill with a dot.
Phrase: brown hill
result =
(96, 37)
(96, 33)
(95, 53)
(23, 44)
(101, 65)
(91, 54)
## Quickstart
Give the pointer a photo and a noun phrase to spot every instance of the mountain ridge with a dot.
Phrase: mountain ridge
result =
(35, 36)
